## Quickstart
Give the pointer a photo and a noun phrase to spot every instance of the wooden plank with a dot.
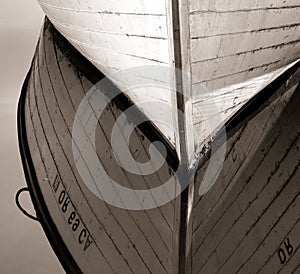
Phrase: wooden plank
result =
(232, 44)
(147, 45)
(50, 173)
(232, 165)
(132, 24)
(132, 241)
(225, 53)
(224, 103)
(131, 45)
(119, 6)
(232, 79)
(105, 123)
(243, 210)
(243, 228)
(60, 147)
(209, 24)
(232, 65)
(275, 240)
(235, 5)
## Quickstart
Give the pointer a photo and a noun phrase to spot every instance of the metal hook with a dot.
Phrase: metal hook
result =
(20, 191)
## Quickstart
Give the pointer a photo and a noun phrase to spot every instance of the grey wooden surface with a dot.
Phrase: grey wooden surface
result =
(240, 225)
(115, 240)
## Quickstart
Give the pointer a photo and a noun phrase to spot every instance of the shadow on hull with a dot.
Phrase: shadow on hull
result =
(247, 222)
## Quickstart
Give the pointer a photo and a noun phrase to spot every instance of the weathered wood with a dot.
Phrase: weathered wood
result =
(121, 35)
(247, 222)
(235, 5)
(232, 42)
(220, 43)
(223, 103)
(121, 241)
(156, 7)
(244, 219)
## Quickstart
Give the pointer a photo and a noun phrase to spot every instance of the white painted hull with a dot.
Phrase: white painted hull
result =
(220, 43)
(225, 38)
(116, 36)
(244, 222)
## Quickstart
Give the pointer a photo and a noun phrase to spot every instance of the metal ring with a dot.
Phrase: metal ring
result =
(20, 191)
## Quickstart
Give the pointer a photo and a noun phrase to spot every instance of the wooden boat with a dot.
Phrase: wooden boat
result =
(219, 43)
(246, 219)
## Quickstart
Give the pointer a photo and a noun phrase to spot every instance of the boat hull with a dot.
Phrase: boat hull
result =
(222, 42)
(247, 222)
(218, 43)
(98, 236)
